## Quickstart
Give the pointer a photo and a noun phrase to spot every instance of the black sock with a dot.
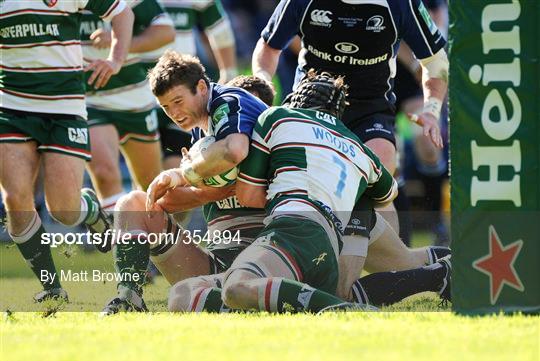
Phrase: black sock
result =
(386, 288)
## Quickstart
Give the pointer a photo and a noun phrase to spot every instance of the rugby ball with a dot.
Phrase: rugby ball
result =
(222, 180)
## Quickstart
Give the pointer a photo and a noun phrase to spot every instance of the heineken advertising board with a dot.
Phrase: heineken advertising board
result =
(495, 155)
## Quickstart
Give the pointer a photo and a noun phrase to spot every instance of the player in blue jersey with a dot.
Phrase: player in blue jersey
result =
(195, 104)
(359, 40)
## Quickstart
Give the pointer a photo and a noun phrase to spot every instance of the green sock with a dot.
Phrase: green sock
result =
(209, 300)
(38, 256)
(131, 261)
(283, 295)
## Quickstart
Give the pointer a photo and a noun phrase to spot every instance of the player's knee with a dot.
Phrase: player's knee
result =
(18, 198)
(236, 290)
(133, 201)
(385, 150)
(105, 173)
(180, 296)
(67, 218)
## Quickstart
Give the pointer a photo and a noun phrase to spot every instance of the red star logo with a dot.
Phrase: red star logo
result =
(499, 265)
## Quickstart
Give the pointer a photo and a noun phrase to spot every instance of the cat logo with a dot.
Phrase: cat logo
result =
(347, 48)
(78, 135)
(50, 3)
(375, 24)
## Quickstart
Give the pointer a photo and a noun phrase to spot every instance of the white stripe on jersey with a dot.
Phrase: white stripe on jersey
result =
(393, 59)
(51, 105)
(131, 98)
(43, 57)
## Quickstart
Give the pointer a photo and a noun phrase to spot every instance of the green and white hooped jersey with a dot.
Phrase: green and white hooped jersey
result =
(128, 90)
(307, 156)
(186, 14)
(42, 64)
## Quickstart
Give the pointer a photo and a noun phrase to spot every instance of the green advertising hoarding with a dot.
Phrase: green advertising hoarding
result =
(494, 92)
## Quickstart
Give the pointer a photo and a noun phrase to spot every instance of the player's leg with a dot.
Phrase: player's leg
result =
(270, 274)
(104, 167)
(148, 237)
(65, 151)
(19, 165)
(140, 145)
(143, 160)
(388, 253)
(386, 151)
(386, 288)
(196, 294)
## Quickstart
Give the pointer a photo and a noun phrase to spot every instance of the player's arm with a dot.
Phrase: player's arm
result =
(252, 181)
(382, 188)
(265, 60)
(426, 41)
(384, 191)
(282, 26)
(217, 28)
(185, 198)
(220, 157)
(158, 29)
(153, 37)
(121, 18)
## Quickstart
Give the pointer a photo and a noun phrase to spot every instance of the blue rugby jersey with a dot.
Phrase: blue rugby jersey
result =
(355, 38)
(231, 110)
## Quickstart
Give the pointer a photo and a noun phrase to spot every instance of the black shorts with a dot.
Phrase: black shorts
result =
(172, 137)
(379, 125)
(370, 119)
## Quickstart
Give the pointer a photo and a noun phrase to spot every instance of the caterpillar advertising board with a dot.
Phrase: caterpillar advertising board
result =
(495, 155)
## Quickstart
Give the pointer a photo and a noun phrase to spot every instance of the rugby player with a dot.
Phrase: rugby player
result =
(187, 15)
(205, 108)
(359, 40)
(43, 118)
(121, 115)
(204, 293)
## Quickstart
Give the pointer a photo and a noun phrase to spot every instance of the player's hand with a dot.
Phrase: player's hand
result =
(102, 70)
(101, 39)
(430, 126)
(166, 180)
(186, 157)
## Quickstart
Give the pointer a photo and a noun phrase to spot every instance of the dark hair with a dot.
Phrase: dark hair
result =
(320, 91)
(256, 86)
(174, 69)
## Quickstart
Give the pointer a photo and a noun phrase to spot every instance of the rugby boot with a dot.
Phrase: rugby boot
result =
(444, 292)
(57, 294)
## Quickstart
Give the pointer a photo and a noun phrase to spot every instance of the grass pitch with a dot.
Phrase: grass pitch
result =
(389, 335)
